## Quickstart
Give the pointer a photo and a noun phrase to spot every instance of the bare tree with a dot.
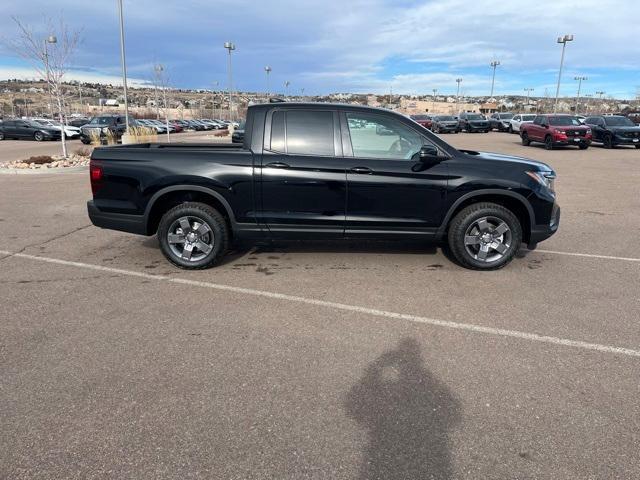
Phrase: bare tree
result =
(50, 56)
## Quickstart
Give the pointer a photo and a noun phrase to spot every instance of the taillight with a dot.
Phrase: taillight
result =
(96, 175)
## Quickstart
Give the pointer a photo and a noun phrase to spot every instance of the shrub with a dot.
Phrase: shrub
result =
(84, 151)
(38, 160)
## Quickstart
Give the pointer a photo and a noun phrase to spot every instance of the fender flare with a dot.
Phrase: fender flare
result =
(188, 188)
(488, 191)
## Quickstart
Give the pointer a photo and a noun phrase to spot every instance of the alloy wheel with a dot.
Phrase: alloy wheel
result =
(487, 239)
(190, 238)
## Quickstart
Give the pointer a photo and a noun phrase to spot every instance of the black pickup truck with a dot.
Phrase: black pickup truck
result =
(324, 171)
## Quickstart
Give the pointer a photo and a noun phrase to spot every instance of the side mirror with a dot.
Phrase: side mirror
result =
(429, 154)
(546, 126)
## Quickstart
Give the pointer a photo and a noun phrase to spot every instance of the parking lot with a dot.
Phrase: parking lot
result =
(374, 360)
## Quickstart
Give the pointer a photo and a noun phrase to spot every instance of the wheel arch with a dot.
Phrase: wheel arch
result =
(507, 198)
(168, 197)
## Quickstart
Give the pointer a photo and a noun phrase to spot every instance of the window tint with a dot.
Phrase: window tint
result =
(9, 123)
(374, 136)
(277, 132)
(309, 132)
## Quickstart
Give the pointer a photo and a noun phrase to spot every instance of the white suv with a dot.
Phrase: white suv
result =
(519, 119)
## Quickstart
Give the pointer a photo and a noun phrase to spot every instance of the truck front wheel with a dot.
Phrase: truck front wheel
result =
(193, 235)
(484, 236)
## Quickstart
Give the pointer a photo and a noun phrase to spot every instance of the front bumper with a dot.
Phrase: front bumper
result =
(540, 233)
(622, 140)
(572, 140)
(478, 127)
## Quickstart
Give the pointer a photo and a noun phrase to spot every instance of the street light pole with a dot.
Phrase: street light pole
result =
(230, 47)
(433, 103)
(123, 60)
(579, 79)
(267, 70)
(286, 88)
(159, 69)
(600, 94)
(563, 40)
(213, 99)
(493, 64)
(458, 81)
(528, 90)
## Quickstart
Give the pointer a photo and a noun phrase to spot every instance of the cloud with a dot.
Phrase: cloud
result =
(333, 45)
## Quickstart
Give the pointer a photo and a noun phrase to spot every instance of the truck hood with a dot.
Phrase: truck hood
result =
(625, 129)
(532, 164)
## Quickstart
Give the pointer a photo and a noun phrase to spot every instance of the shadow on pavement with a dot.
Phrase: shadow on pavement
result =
(408, 415)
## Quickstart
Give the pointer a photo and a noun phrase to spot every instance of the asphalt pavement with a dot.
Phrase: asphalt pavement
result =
(323, 360)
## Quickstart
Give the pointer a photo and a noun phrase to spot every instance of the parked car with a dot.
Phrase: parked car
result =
(156, 125)
(518, 120)
(500, 121)
(555, 130)
(425, 120)
(20, 128)
(79, 122)
(176, 126)
(238, 133)
(410, 184)
(70, 131)
(103, 126)
(444, 124)
(472, 122)
(614, 130)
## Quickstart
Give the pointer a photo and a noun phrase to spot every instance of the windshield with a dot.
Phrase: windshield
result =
(563, 120)
(100, 121)
(619, 122)
(445, 118)
(506, 116)
(475, 117)
(528, 118)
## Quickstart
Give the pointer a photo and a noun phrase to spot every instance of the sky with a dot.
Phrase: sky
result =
(359, 46)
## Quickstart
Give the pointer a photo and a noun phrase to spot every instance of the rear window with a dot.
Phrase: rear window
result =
(303, 132)
(474, 116)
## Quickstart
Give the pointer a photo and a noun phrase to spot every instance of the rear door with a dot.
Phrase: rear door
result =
(390, 192)
(303, 177)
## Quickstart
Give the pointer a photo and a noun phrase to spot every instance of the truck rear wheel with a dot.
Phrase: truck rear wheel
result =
(193, 236)
(484, 236)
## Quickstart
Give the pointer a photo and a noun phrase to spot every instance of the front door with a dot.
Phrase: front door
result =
(390, 192)
(302, 175)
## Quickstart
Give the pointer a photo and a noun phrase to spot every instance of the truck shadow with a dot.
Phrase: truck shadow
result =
(407, 414)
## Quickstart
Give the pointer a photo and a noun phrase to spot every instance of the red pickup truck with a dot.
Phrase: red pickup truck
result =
(554, 130)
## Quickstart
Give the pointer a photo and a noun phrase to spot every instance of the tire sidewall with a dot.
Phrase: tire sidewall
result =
(213, 219)
(38, 137)
(465, 218)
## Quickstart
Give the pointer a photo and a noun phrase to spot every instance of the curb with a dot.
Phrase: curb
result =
(42, 171)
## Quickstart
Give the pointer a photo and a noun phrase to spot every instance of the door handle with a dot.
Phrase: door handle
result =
(277, 165)
(365, 170)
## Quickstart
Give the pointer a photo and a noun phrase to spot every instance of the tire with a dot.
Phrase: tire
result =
(1, 135)
(173, 239)
(525, 139)
(85, 141)
(478, 231)
(38, 136)
(583, 146)
(637, 146)
(511, 129)
(548, 142)
(607, 141)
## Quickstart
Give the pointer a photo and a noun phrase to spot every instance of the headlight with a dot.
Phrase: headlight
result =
(588, 131)
(561, 132)
(546, 179)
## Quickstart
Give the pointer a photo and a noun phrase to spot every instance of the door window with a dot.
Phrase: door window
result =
(374, 136)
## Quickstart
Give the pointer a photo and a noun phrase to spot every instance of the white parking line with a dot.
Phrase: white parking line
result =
(533, 337)
(588, 255)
